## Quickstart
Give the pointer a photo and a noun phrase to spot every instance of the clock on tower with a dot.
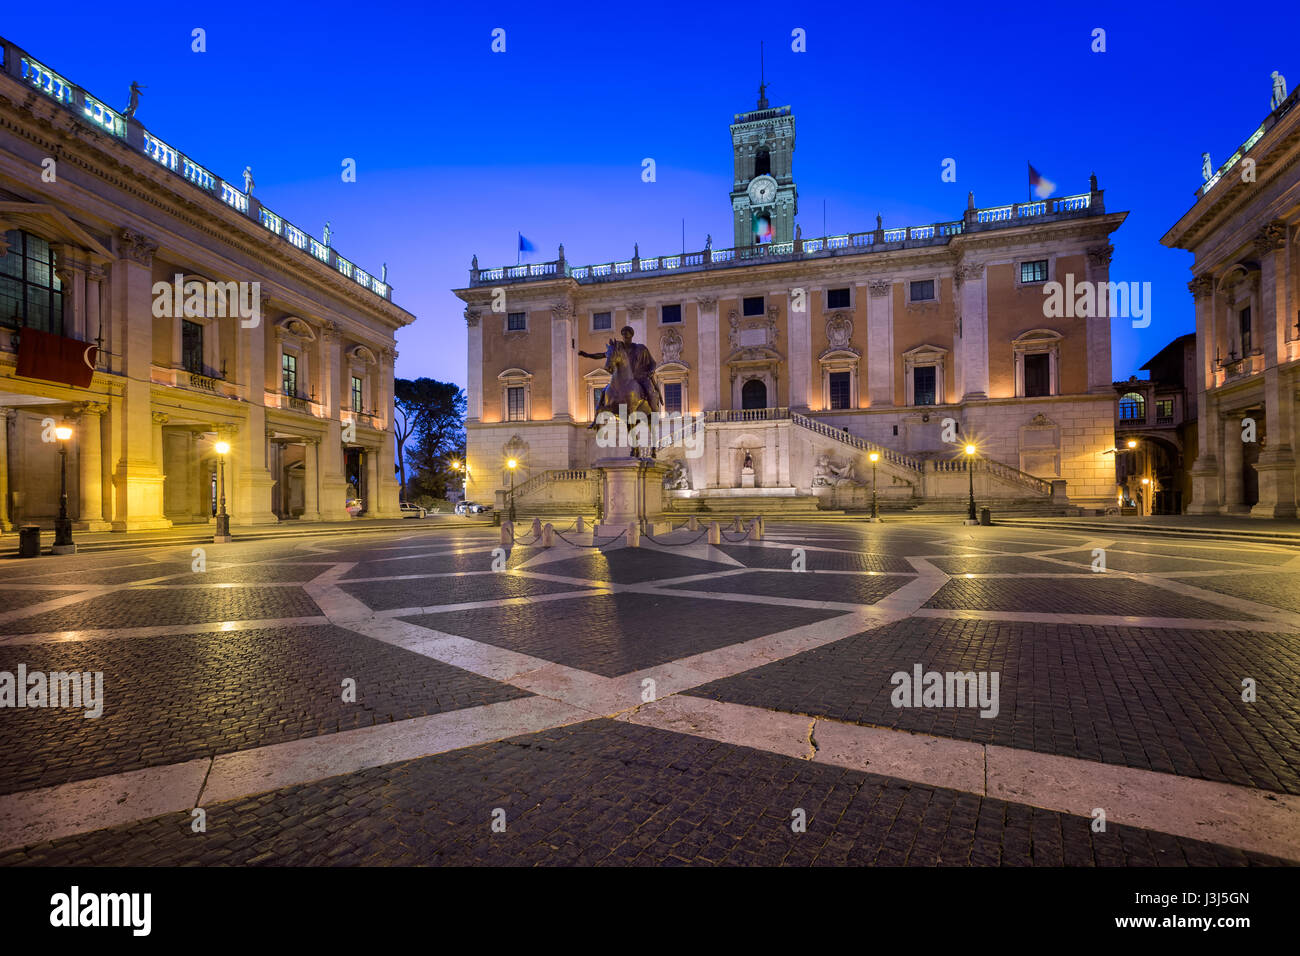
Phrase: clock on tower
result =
(764, 199)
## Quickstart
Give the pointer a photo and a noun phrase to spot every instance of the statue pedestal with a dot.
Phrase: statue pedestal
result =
(747, 478)
(630, 489)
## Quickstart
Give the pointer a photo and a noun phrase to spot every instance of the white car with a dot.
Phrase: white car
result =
(410, 510)
(471, 508)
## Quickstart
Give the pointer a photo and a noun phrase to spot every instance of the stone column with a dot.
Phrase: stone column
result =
(311, 479)
(1204, 473)
(138, 477)
(563, 371)
(880, 342)
(90, 460)
(5, 415)
(1098, 326)
(72, 272)
(973, 355)
(333, 483)
(1233, 486)
(95, 276)
(799, 327)
(1276, 465)
(707, 351)
(636, 318)
(374, 491)
(474, 385)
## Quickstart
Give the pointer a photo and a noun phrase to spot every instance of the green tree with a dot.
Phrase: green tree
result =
(429, 426)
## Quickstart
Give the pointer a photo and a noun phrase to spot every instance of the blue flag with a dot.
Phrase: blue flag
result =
(524, 244)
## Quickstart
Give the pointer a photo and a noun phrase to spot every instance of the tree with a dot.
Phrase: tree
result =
(429, 423)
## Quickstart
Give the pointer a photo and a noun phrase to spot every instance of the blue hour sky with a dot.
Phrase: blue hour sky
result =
(458, 148)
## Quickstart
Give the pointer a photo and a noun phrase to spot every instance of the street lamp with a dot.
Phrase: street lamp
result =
(875, 511)
(970, 475)
(63, 543)
(512, 464)
(222, 448)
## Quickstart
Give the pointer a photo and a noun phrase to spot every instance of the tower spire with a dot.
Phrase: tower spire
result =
(762, 85)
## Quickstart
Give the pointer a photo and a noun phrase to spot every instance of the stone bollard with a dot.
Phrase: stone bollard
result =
(537, 528)
(581, 525)
(762, 526)
(634, 535)
(756, 530)
(693, 523)
(507, 535)
(715, 533)
(548, 535)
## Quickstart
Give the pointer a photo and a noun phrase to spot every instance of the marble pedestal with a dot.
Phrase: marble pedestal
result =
(631, 489)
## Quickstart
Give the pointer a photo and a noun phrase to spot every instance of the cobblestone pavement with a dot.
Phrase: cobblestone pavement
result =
(417, 696)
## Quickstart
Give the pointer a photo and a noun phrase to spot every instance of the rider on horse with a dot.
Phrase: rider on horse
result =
(642, 365)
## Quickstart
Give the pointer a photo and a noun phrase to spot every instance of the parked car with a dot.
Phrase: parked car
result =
(472, 508)
(354, 506)
(412, 510)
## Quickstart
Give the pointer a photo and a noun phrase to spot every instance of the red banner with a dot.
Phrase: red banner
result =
(55, 358)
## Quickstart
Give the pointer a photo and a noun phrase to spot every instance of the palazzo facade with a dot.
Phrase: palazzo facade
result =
(1244, 230)
(805, 355)
(158, 309)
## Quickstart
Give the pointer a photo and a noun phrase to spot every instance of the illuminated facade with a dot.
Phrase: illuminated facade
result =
(159, 309)
(805, 355)
(1246, 288)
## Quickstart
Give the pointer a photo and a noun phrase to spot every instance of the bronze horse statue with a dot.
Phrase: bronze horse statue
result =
(626, 395)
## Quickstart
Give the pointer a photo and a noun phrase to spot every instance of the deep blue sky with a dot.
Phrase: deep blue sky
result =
(458, 148)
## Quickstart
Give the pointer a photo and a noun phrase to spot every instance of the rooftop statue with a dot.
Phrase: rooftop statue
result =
(135, 98)
(1206, 169)
(1279, 90)
(248, 180)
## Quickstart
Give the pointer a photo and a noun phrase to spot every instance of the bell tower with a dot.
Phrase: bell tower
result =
(764, 199)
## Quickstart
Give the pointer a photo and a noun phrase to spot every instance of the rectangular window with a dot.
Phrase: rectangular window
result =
(837, 298)
(192, 346)
(923, 379)
(516, 321)
(839, 390)
(670, 313)
(1035, 271)
(31, 293)
(356, 394)
(1038, 374)
(923, 290)
(673, 396)
(289, 373)
(1244, 323)
(1164, 411)
(752, 305)
(601, 322)
(515, 403)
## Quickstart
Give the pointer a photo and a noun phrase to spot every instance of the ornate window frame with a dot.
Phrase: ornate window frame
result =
(841, 355)
(909, 302)
(360, 359)
(295, 336)
(1036, 342)
(516, 378)
(922, 356)
(596, 378)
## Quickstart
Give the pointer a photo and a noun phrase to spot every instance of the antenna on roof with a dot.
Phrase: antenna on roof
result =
(762, 85)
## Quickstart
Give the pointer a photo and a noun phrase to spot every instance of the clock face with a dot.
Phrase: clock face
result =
(762, 189)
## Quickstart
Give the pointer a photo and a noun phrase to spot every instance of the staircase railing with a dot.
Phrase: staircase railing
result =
(886, 454)
(546, 477)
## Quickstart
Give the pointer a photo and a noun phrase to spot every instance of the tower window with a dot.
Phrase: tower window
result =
(837, 298)
(762, 163)
(752, 305)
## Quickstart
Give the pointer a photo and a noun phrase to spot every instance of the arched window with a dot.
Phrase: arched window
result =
(763, 163)
(1132, 407)
(31, 295)
(753, 394)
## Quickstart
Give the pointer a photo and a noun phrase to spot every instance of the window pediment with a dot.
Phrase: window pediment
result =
(295, 327)
(46, 221)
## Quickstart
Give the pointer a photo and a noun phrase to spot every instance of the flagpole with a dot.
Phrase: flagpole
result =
(1030, 187)
(519, 247)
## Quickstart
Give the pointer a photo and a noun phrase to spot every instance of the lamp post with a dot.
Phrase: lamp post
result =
(875, 511)
(512, 464)
(970, 475)
(223, 519)
(63, 543)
